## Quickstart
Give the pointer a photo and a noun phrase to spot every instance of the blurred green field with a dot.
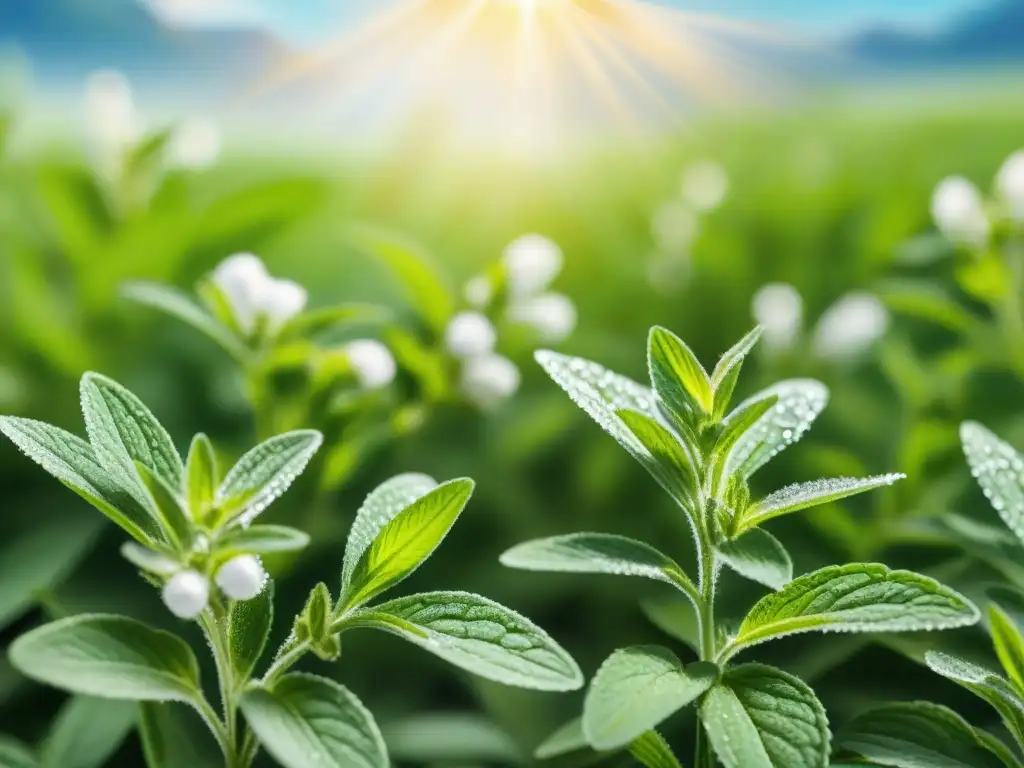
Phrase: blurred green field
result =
(821, 198)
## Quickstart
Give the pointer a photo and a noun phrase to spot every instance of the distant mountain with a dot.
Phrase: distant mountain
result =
(989, 35)
(67, 39)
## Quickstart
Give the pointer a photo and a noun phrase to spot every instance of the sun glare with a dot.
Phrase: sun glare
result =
(533, 71)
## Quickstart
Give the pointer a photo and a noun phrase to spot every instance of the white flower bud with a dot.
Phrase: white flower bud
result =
(551, 315)
(959, 212)
(674, 227)
(779, 310)
(186, 594)
(195, 144)
(850, 326)
(281, 301)
(531, 262)
(469, 334)
(372, 363)
(488, 380)
(705, 185)
(1010, 183)
(112, 124)
(478, 291)
(243, 280)
(241, 578)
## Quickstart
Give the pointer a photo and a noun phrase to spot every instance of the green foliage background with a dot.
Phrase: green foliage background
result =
(824, 199)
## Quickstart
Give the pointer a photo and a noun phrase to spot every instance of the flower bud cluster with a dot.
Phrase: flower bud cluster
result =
(963, 215)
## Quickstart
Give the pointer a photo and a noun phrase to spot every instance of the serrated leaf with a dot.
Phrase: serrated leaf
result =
(72, 461)
(794, 498)
(177, 304)
(762, 717)
(598, 553)
(261, 539)
(379, 508)
(635, 690)
(110, 657)
(674, 462)
(201, 477)
(917, 735)
(123, 430)
(406, 541)
(567, 739)
(249, 624)
(759, 556)
(799, 403)
(601, 393)
(266, 472)
(174, 521)
(87, 732)
(677, 375)
(674, 616)
(985, 684)
(173, 736)
(652, 751)
(999, 469)
(1009, 645)
(478, 635)
(307, 720)
(859, 597)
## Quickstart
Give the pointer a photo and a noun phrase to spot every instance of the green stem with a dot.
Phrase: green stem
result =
(284, 662)
(215, 627)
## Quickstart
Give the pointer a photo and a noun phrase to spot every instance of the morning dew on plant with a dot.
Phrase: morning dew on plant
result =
(702, 450)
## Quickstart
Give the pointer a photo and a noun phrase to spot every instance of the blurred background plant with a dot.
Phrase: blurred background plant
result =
(828, 222)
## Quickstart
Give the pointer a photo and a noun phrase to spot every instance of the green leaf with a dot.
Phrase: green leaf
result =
(799, 403)
(674, 463)
(424, 288)
(636, 689)
(201, 477)
(173, 736)
(794, 498)
(407, 540)
(174, 521)
(177, 304)
(734, 427)
(307, 720)
(567, 739)
(859, 597)
(985, 684)
(917, 735)
(379, 508)
(730, 361)
(1008, 644)
(478, 635)
(313, 625)
(758, 556)
(72, 461)
(450, 738)
(762, 717)
(87, 732)
(123, 430)
(266, 472)
(14, 754)
(675, 617)
(598, 553)
(652, 751)
(249, 623)
(108, 656)
(261, 539)
(998, 468)
(677, 375)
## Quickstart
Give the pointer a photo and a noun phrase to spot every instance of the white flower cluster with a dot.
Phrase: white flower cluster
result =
(961, 214)
(845, 330)
(487, 378)
(676, 223)
(257, 299)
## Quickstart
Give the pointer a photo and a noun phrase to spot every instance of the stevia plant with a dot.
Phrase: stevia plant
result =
(703, 455)
(194, 536)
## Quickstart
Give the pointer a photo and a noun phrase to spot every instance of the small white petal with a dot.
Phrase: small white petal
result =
(488, 380)
(674, 227)
(469, 334)
(779, 310)
(531, 262)
(1010, 184)
(372, 362)
(478, 291)
(959, 212)
(241, 578)
(705, 185)
(850, 326)
(186, 594)
(244, 280)
(195, 144)
(551, 315)
(281, 301)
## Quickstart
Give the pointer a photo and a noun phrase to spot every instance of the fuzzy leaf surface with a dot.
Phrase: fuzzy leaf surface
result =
(999, 470)
(758, 556)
